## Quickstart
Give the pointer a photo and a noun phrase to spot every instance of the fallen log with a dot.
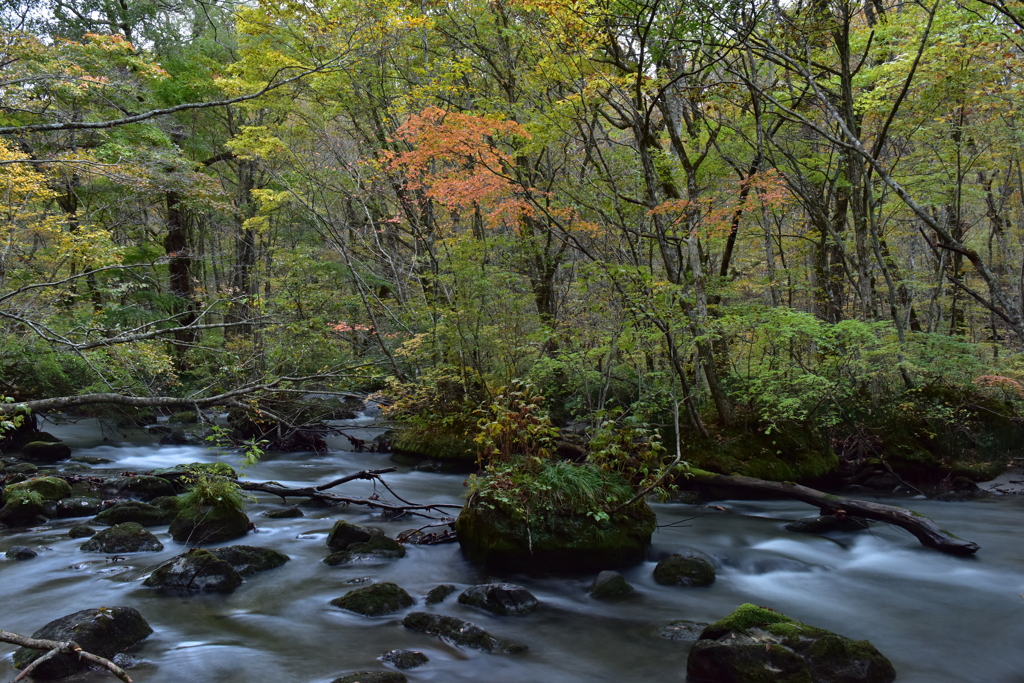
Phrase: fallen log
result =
(926, 531)
(56, 647)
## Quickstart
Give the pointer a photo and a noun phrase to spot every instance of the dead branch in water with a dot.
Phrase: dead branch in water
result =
(56, 647)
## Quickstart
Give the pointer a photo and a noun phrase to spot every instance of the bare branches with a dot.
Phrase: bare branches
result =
(56, 647)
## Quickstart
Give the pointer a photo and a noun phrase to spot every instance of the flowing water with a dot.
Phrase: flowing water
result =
(938, 618)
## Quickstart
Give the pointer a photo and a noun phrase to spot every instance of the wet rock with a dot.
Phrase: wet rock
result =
(104, 632)
(610, 585)
(45, 452)
(438, 594)
(688, 569)
(81, 531)
(379, 547)
(74, 467)
(825, 523)
(248, 560)
(91, 460)
(20, 552)
(196, 570)
(754, 644)
(287, 513)
(26, 468)
(123, 538)
(46, 488)
(505, 599)
(143, 487)
(24, 513)
(134, 511)
(458, 632)
(405, 659)
(883, 482)
(682, 630)
(77, 507)
(375, 600)
(187, 417)
(345, 533)
(209, 525)
(373, 677)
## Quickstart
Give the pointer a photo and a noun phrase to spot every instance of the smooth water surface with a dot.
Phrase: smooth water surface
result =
(938, 618)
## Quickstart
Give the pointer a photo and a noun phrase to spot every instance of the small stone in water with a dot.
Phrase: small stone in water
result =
(405, 659)
(361, 579)
(682, 630)
(439, 593)
(21, 552)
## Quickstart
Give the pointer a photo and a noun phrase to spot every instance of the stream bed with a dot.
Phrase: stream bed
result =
(939, 619)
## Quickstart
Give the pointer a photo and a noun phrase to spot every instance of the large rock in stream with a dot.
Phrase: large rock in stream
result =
(123, 538)
(757, 644)
(219, 570)
(459, 632)
(104, 632)
(375, 600)
(209, 525)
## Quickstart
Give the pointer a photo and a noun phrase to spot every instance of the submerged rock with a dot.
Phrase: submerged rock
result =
(104, 632)
(20, 552)
(505, 599)
(144, 488)
(45, 451)
(196, 570)
(91, 460)
(373, 677)
(755, 644)
(609, 585)
(81, 531)
(375, 600)
(134, 511)
(825, 523)
(123, 538)
(687, 569)
(459, 632)
(439, 594)
(209, 525)
(682, 630)
(284, 514)
(405, 659)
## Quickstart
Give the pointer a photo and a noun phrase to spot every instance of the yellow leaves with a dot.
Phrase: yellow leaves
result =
(256, 142)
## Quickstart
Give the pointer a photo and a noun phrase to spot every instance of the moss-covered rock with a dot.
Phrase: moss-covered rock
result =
(209, 524)
(25, 468)
(91, 460)
(373, 677)
(106, 632)
(505, 599)
(345, 533)
(405, 659)
(47, 488)
(462, 633)
(23, 512)
(45, 452)
(187, 417)
(376, 547)
(825, 523)
(686, 569)
(196, 570)
(559, 534)
(286, 513)
(610, 585)
(439, 594)
(446, 443)
(756, 644)
(143, 487)
(248, 560)
(81, 531)
(78, 506)
(790, 453)
(134, 511)
(123, 538)
(375, 600)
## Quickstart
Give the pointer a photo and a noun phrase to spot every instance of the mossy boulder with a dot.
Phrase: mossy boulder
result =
(23, 512)
(825, 523)
(345, 533)
(558, 534)
(25, 468)
(91, 460)
(123, 538)
(459, 632)
(180, 475)
(134, 511)
(684, 569)
(78, 506)
(439, 594)
(45, 451)
(47, 488)
(248, 560)
(447, 443)
(81, 531)
(106, 632)
(757, 644)
(610, 585)
(196, 570)
(286, 513)
(209, 524)
(505, 599)
(143, 487)
(187, 417)
(373, 677)
(376, 547)
(790, 452)
(375, 600)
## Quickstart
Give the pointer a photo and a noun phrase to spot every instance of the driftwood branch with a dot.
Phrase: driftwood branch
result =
(926, 531)
(56, 647)
(320, 493)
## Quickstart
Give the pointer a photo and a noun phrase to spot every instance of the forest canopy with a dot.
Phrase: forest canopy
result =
(801, 224)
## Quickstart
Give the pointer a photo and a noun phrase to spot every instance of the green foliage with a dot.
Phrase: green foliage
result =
(515, 425)
(208, 490)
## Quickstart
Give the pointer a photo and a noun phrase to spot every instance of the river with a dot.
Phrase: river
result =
(939, 619)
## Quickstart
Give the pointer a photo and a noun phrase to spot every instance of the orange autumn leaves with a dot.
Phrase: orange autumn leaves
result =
(455, 159)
